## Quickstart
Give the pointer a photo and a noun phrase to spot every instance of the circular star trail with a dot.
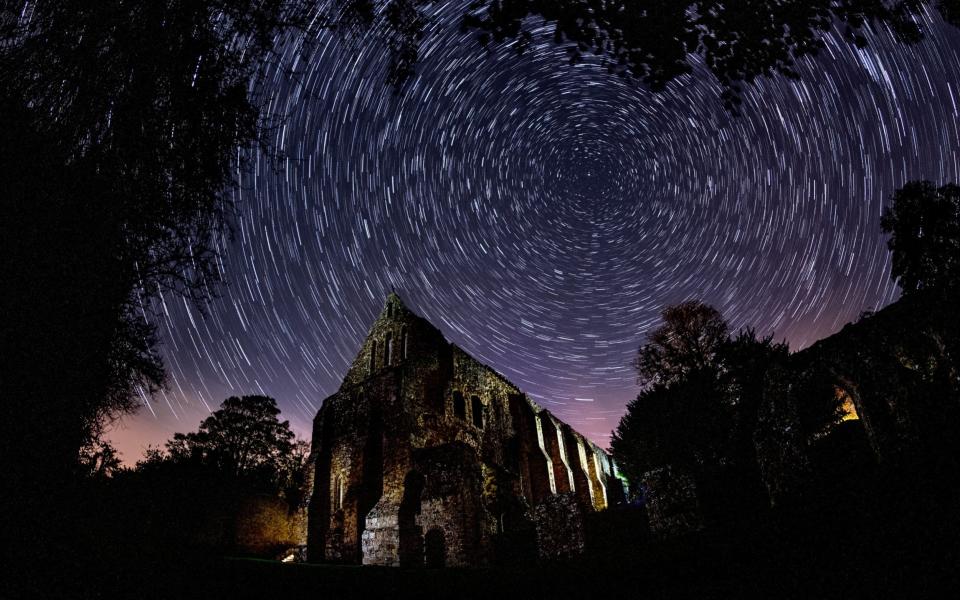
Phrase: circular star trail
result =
(541, 215)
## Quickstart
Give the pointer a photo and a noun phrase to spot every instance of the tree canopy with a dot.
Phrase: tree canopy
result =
(124, 124)
(687, 342)
(243, 438)
(698, 410)
(924, 226)
(655, 41)
(681, 417)
(99, 459)
(686, 425)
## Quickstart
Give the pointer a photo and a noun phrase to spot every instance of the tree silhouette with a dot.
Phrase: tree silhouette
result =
(682, 418)
(924, 227)
(99, 459)
(699, 409)
(687, 342)
(746, 361)
(234, 485)
(243, 438)
(686, 425)
(652, 41)
(122, 122)
(655, 41)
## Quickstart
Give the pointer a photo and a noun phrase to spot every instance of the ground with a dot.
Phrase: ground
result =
(875, 542)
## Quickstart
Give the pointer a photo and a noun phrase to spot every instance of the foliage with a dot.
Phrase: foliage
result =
(656, 41)
(746, 359)
(236, 485)
(400, 23)
(819, 406)
(687, 342)
(924, 227)
(699, 409)
(99, 459)
(950, 9)
(681, 417)
(781, 444)
(122, 123)
(243, 438)
(149, 101)
(652, 41)
(292, 476)
(685, 425)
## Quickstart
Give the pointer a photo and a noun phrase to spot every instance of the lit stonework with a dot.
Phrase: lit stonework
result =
(425, 456)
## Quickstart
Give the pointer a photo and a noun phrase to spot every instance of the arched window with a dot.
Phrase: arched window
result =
(404, 339)
(388, 351)
(476, 407)
(459, 406)
(373, 356)
(390, 310)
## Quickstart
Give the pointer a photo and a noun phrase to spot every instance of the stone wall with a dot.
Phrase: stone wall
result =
(898, 366)
(560, 527)
(425, 456)
(266, 524)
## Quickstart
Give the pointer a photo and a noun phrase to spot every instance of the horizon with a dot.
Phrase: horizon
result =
(132, 446)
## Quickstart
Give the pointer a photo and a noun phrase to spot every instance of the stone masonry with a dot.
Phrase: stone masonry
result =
(426, 457)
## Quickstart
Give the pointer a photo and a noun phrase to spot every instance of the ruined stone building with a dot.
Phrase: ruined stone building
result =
(897, 372)
(425, 456)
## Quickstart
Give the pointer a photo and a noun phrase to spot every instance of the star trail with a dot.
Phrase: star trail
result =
(542, 214)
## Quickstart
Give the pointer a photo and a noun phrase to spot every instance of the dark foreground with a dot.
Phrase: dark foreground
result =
(890, 537)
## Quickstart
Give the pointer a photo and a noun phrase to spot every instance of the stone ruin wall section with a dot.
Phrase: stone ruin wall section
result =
(415, 412)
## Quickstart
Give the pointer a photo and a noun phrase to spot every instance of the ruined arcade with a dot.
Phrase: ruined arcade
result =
(425, 456)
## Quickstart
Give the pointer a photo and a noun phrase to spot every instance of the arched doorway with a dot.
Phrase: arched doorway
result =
(411, 538)
(436, 548)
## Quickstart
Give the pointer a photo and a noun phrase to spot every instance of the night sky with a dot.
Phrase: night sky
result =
(541, 215)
